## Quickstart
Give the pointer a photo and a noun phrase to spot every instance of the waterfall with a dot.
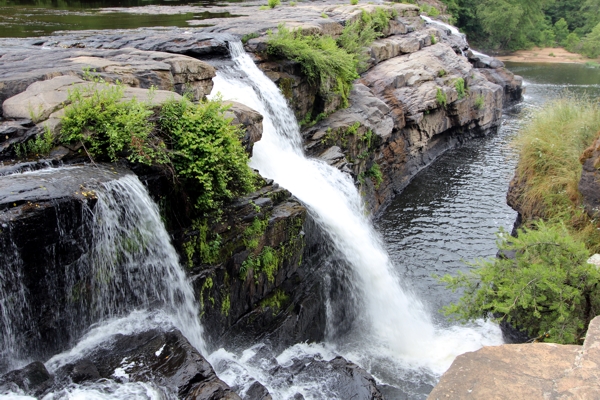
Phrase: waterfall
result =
(128, 264)
(393, 323)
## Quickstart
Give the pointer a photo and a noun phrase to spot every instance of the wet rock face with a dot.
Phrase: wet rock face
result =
(43, 228)
(33, 379)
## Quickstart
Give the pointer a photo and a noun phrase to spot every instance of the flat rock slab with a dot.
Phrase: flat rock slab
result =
(526, 371)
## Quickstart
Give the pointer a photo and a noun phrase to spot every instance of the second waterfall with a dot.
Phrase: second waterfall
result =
(393, 327)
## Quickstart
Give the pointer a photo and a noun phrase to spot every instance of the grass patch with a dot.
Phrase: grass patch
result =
(39, 146)
(273, 3)
(549, 169)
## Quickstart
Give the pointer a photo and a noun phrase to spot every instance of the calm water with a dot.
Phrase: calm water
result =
(452, 210)
(27, 18)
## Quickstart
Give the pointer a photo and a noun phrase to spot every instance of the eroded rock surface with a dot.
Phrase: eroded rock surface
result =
(526, 371)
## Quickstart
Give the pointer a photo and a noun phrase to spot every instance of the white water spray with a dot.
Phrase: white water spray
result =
(394, 323)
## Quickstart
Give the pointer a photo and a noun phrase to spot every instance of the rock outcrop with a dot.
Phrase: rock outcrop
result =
(526, 371)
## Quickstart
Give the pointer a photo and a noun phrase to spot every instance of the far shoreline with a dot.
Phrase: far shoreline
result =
(551, 55)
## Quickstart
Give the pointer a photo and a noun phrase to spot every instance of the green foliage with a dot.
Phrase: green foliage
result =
(561, 31)
(204, 243)
(433, 39)
(549, 169)
(226, 305)
(353, 2)
(459, 85)
(548, 289)
(293, 3)
(273, 3)
(249, 36)
(356, 37)
(441, 73)
(39, 146)
(206, 287)
(263, 7)
(275, 302)
(254, 231)
(207, 153)
(109, 128)
(322, 61)
(323, 15)
(440, 97)
(375, 174)
(429, 10)
(572, 42)
(268, 261)
(590, 44)
(479, 102)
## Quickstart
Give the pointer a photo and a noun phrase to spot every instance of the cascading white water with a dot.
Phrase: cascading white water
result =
(395, 324)
(133, 261)
(129, 265)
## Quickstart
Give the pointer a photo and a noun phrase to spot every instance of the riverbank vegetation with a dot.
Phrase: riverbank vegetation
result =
(196, 143)
(521, 24)
(543, 283)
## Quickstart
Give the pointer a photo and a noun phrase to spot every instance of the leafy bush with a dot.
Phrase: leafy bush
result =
(441, 98)
(353, 2)
(206, 152)
(459, 85)
(375, 174)
(429, 10)
(356, 37)
(547, 289)
(109, 128)
(572, 42)
(322, 61)
(549, 169)
(590, 45)
(273, 3)
(433, 39)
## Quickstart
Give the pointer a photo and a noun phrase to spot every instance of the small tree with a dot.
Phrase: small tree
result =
(561, 31)
(591, 43)
(547, 289)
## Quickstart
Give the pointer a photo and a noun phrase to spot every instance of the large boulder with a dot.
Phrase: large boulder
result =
(526, 371)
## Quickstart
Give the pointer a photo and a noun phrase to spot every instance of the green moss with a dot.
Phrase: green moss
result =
(249, 36)
(479, 102)
(206, 287)
(226, 305)
(285, 85)
(253, 233)
(204, 243)
(275, 302)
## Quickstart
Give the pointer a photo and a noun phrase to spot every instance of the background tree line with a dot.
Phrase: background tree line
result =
(519, 24)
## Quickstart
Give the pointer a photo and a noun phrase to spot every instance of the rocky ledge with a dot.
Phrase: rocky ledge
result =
(526, 371)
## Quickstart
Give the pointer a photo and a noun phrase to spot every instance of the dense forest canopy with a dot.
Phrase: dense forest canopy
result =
(519, 24)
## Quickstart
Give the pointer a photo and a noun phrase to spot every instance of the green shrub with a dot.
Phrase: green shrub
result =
(207, 154)
(459, 85)
(441, 73)
(353, 2)
(109, 128)
(441, 98)
(590, 45)
(433, 39)
(322, 61)
(356, 37)
(429, 10)
(572, 42)
(273, 3)
(263, 7)
(323, 15)
(293, 3)
(548, 290)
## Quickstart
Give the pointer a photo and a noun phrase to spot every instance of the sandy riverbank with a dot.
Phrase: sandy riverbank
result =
(545, 55)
